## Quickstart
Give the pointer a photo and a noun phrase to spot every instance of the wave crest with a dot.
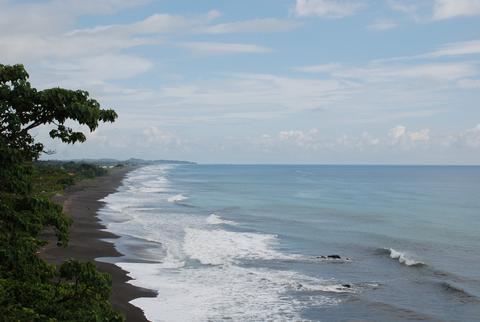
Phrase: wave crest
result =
(214, 219)
(402, 257)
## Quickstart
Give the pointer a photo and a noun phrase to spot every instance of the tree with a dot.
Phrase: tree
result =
(30, 288)
(23, 108)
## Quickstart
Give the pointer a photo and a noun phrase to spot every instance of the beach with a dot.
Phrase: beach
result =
(282, 242)
(81, 202)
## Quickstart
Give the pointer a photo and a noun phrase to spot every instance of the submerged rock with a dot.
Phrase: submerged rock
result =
(333, 257)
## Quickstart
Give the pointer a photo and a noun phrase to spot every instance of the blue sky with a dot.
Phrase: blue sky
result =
(284, 81)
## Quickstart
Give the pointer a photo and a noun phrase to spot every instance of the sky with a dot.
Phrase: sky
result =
(261, 81)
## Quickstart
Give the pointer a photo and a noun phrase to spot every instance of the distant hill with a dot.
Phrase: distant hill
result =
(140, 161)
(131, 161)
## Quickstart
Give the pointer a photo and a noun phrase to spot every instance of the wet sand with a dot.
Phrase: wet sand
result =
(81, 203)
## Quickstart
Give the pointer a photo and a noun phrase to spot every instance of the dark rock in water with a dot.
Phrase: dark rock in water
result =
(331, 257)
(347, 285)
(334, 257)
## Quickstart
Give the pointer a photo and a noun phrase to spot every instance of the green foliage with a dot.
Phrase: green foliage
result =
(51, 177)
(30, 288)
(23, 108)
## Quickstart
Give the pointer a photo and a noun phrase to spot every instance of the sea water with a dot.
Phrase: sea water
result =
(252, 242)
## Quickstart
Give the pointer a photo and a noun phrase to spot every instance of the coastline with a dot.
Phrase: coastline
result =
(81, 202)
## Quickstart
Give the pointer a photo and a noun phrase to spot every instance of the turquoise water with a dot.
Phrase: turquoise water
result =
(244, 242)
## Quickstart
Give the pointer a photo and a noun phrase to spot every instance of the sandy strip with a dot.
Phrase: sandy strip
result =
(81, 203)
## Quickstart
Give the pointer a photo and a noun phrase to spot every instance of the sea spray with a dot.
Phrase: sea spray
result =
(177, 198)
(402, 257)
(214, 219)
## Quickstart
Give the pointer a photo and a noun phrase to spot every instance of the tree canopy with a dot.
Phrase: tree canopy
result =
(30, 288)
(23, 108)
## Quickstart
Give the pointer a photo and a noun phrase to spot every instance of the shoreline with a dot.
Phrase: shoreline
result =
(81, 202)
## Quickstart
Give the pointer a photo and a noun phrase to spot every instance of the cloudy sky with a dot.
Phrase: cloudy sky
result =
(262, 81)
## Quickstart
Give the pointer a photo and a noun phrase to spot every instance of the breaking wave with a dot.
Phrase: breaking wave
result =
(214, 219)
(402, 257)
(209, 270)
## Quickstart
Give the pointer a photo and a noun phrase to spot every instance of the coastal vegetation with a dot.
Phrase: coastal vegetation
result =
(30, 288)
(52, 177)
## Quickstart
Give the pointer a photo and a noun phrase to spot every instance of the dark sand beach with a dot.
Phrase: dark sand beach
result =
(81, 203)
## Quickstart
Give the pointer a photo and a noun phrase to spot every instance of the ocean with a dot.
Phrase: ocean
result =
(301, 242)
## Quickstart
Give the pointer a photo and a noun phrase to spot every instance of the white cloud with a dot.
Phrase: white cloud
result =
(158, 23)
(133, 137)
(386, 71)
(44, 41)
(440, 71)
(154, 137)
(97, 7)
(255, 25)
(420, 136)
(297, 137)
(472, 136)
(28, 48)
(404, 139)
(203, 47)
(457, 49)
(469, 83)
(469, 138)
(381, 25)
(311, 140)
(41, 34)
(256, 94)
(446, 9)
(436, 10)
(30, 19)
(374, 94)
(417, 11)
(432, 71)
(453, 49)
(43, 18)
(327, 8)
(398, 131)
(301, 139)
(100, 68)
(361, 142)
(404, 6)
(203, 24)
(322, 68)
(292, 135)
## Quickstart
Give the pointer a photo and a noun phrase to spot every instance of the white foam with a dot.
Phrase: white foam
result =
(146, 180)
(177, 198)
(217, 293)
(402, 258)
(214, 219)
(329, 288)
(199, 275)
(152, 190)
(217, 247)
